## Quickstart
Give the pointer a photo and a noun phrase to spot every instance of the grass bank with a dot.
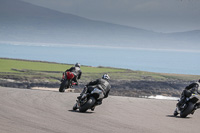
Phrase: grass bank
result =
(27, 67)
(26, 73)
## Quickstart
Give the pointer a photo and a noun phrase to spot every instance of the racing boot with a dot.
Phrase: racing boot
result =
(99, 102)
(82, 93)
(82, 96)
(79, 97)
(197, 106)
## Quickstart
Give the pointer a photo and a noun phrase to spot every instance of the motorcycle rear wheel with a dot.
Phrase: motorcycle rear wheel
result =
(188, 110)
(62, 86)
(87, 105)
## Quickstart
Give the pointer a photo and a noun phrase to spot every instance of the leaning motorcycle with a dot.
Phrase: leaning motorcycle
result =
(66, 81)
(189, 107)
(89, 100)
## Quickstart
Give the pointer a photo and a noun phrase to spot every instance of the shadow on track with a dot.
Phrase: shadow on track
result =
(177, 117)
(80, 112)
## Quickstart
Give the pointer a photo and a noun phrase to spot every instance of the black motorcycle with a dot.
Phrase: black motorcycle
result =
(89, 100)
(189, 106)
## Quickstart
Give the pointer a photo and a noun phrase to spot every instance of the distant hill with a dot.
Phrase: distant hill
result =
(25, 22)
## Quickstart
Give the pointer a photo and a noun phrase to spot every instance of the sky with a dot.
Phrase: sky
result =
(156, 15)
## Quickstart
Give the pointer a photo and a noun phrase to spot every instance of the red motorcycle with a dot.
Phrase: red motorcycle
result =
(66, 81)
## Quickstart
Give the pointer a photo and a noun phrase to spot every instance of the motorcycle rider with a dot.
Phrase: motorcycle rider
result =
(102, 84)
(76, 70)
(187, 92)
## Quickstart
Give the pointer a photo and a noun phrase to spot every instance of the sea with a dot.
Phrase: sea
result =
(151, 60)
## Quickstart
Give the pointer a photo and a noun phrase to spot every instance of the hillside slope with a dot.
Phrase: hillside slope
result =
(25, 22)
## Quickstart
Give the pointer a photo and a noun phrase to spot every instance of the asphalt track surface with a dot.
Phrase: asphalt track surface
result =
(46, 111)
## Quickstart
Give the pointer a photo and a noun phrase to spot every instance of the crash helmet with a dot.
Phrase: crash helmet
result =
(198, 87)
(77, 65)
(198, 90)
(105, 76)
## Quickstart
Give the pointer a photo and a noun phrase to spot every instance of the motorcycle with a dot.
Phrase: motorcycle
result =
(89, 100)
(189, 106)
(66, 81)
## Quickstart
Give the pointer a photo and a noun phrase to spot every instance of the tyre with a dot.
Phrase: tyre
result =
(75, 107)
(188, 110)
(62, 86)
(175, 112)
(87, 105)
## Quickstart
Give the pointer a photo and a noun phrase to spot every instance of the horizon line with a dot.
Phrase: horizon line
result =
(37, 44)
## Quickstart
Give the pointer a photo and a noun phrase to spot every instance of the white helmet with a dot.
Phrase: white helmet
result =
(105, 76)
(198, 90)
(77, 65)
(198, 87)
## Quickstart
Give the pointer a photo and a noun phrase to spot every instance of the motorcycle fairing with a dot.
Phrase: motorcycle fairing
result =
(97, 91)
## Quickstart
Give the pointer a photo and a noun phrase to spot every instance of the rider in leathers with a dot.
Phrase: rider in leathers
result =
(102, 84)
(76, 71)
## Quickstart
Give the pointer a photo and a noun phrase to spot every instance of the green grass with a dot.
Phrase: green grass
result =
(31, 69)
(7, 65)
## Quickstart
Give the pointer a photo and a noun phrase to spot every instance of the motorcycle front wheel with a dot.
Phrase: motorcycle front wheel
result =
(62, 86)
(188, 110)
(75, 107)
(87, 105)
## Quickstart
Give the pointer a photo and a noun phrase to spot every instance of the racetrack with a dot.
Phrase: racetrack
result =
(46, 111)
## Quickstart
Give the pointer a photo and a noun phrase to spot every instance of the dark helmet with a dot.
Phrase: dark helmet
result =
(105, 76)
(77, 65)
(199, 80)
